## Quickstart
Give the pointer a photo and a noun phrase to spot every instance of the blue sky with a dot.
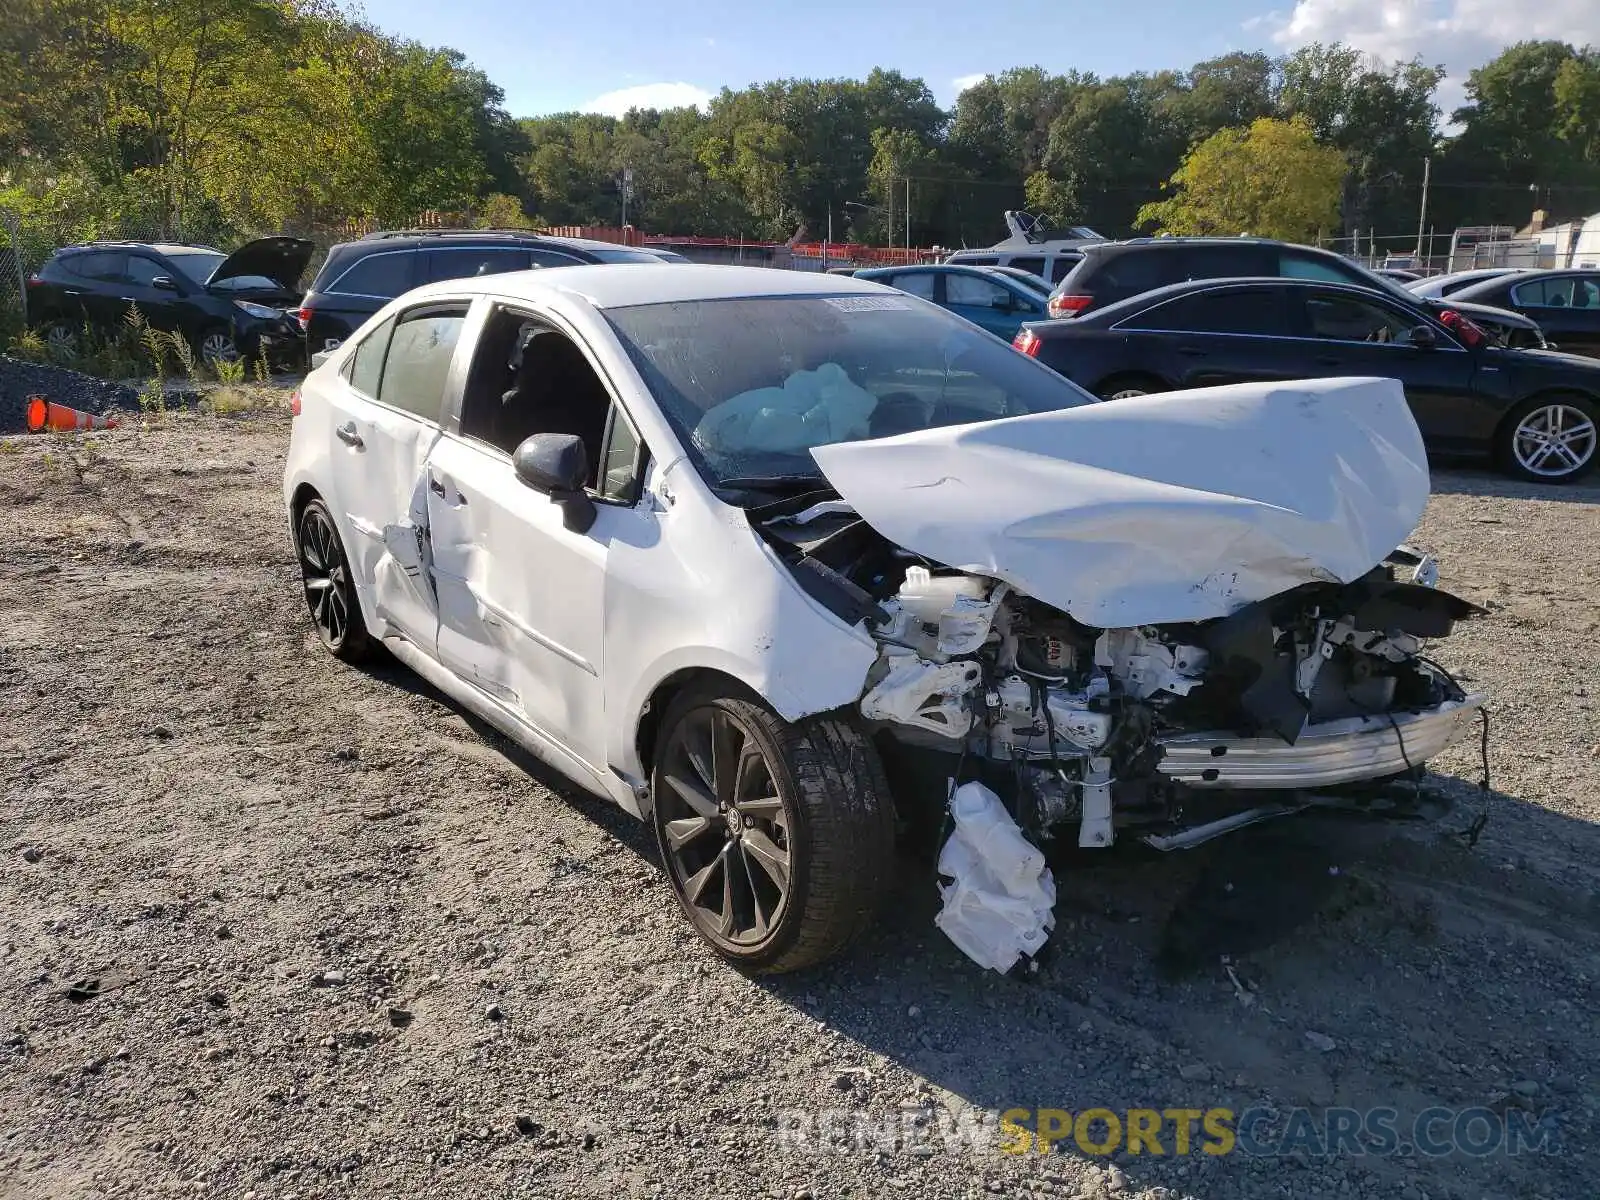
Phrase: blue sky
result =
(552, 58)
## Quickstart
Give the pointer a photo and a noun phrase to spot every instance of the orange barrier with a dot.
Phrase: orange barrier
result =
(58, 418)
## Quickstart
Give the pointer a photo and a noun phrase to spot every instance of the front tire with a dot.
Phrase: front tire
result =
(1550, 439)
(777, 838)
(217, 345)
(329, 589)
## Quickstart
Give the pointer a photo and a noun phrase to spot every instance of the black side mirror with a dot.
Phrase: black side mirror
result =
(164, 283)
(1422, 338)
(557, 465)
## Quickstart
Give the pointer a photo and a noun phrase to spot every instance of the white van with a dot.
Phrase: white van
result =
(1033, 247)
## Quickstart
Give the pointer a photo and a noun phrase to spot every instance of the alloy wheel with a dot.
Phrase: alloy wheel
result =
(218, 346)
(725, 828)
(1127, 393)
(326, 577)
(1554, 440)
(61, 336)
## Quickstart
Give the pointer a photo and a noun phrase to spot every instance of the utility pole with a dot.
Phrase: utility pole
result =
(1422, 217)
(890, 190)
(908, 215)
(627, 187)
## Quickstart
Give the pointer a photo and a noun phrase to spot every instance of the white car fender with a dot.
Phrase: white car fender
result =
(750, 620)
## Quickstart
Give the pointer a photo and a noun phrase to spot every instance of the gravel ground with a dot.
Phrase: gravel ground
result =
(275, 927)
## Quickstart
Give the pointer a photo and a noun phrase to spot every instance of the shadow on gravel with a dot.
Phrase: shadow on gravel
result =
(1192, 979)
(1462, 480)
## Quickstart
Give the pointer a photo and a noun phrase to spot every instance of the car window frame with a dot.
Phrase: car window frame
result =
(162, 269)
(984, 280)
(116, 277)
(1288, 329)
(424, 275)
(333, 289)
(935, 283)
(491, 306)
(1444, 340)
(421, 312)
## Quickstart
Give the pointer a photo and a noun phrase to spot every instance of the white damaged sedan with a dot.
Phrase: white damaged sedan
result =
(784, 562)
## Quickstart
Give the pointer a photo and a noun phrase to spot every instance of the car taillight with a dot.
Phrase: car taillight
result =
(1069, 306)
(294, 403)
(1027, 341)
(35, 281)
(302, 315)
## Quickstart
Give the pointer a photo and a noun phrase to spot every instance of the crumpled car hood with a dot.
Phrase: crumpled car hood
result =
(1158, 509)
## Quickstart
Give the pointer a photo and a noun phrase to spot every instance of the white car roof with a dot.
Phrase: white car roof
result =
(618, 285)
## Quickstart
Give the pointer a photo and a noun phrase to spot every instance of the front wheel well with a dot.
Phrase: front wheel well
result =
(303, 495)
(644, 738)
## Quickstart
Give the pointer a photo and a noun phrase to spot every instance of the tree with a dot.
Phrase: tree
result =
(1381, 117)
(1270, 180)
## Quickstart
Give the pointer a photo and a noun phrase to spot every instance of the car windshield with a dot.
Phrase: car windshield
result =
(750, 385)
(196, 264)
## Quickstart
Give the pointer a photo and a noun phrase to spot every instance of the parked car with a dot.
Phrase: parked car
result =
(1566, 304)
(1436, 287)
(358, 278)
(1117, 270)
(1398, 274)
(1027, 278)
(647, 521)
(1535, 412)
(984, 296)
(227, 305)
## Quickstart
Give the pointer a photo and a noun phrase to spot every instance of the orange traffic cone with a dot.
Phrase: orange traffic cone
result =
(57, 418)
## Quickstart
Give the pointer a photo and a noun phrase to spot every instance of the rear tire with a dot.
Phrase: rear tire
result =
(330, 592)
(1553, 438)
(777, 838)
(1125, 387)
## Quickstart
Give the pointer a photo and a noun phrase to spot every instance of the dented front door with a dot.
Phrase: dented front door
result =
(521, 598)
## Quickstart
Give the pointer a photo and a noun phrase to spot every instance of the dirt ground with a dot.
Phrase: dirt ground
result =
(274, 927)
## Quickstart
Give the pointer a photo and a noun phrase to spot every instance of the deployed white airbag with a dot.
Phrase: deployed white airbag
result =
(1001, 905)
(1156, 509)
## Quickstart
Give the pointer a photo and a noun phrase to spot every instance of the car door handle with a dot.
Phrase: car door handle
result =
(436, 486)
(347, 434)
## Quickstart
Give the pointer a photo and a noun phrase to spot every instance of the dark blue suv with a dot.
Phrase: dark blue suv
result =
(358, 278)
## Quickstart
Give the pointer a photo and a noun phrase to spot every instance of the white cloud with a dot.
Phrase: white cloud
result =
(963, 82)
(648, 95)
(1458, 34)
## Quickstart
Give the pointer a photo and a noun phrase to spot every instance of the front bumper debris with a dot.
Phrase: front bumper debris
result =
(1335, 752)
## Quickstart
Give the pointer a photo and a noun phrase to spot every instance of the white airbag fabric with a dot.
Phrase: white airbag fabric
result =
(1002, 901)
(1156, 509)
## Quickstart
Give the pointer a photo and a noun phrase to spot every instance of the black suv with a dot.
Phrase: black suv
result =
(358, 278)
(1113, 271)
(228, 305)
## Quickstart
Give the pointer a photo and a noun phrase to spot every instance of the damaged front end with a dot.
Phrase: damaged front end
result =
(1164, 618)
(1147, 731)
(1021, 721)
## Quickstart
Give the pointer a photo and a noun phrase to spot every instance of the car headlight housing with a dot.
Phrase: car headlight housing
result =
(257, 310)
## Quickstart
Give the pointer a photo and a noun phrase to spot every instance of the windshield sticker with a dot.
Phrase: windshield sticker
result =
(866, 303)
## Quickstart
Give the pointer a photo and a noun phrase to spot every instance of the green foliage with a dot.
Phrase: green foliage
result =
(1270, 180)
(215, 120)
